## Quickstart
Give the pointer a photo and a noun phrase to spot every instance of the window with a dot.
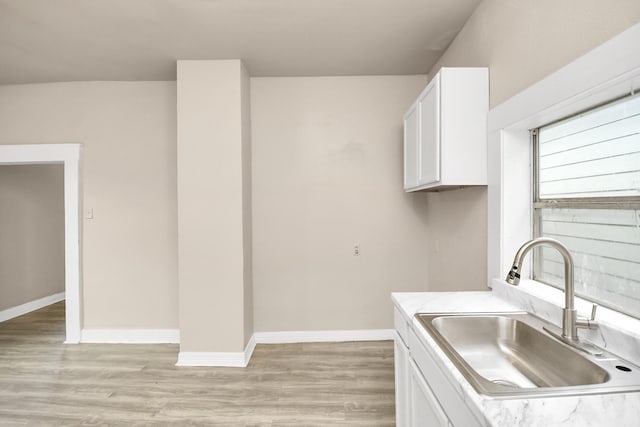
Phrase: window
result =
(587, 195)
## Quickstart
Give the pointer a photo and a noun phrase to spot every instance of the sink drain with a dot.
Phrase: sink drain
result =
(506, 383)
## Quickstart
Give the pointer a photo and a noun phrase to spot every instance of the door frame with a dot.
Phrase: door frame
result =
(69, 156)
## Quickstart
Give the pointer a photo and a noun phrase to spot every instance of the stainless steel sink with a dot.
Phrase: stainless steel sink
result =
(509, 355)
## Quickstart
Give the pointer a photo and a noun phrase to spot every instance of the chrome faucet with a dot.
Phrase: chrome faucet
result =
(570, 321)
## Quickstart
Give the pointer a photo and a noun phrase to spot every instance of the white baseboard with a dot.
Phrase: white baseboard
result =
(172, 336)
(289, 337)
(130, 336)
(30, 306)
(230, 359)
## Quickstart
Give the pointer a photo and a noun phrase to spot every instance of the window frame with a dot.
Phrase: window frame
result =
(604, 203)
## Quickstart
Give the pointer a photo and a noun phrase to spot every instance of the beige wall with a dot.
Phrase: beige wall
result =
(211, 221)
(327, 174)
(127, 131)
(247, 211)
(521, 41)
(457, 222)
(31, 233)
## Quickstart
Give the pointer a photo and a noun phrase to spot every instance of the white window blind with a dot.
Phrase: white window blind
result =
(596, 154)
(588, 197)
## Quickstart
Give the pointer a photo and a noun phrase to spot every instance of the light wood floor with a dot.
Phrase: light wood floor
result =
(44, 382)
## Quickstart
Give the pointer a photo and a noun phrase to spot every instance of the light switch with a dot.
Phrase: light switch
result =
(88, 213)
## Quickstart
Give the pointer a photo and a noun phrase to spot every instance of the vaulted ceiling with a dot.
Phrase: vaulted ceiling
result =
(70, 40)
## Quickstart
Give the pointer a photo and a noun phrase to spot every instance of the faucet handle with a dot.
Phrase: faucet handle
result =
(589, 323)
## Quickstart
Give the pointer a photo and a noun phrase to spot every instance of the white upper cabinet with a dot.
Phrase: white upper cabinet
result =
(445, 132)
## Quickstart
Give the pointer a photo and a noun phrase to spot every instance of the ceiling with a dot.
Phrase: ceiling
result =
(71, 40)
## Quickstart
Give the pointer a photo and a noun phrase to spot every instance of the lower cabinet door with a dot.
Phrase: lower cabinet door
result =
(424, 409)
(402, 382)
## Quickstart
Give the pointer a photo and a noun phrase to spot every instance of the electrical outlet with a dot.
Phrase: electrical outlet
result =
(356, 250)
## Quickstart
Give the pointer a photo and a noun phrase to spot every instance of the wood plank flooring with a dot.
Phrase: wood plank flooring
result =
(46, 383)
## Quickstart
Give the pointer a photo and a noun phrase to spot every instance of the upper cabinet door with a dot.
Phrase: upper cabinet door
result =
(411, 147)
(429, 138)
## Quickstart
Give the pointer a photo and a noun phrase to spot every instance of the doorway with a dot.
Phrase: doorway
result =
(69, 156)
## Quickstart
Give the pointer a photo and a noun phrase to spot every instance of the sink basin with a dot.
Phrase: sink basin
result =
(509, 355)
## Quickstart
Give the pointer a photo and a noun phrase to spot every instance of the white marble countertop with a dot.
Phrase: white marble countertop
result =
(616, 409)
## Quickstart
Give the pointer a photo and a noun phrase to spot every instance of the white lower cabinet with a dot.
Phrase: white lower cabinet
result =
(424, 409)
(424, 396)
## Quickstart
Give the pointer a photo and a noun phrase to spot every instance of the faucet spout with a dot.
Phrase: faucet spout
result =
(569, 318)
